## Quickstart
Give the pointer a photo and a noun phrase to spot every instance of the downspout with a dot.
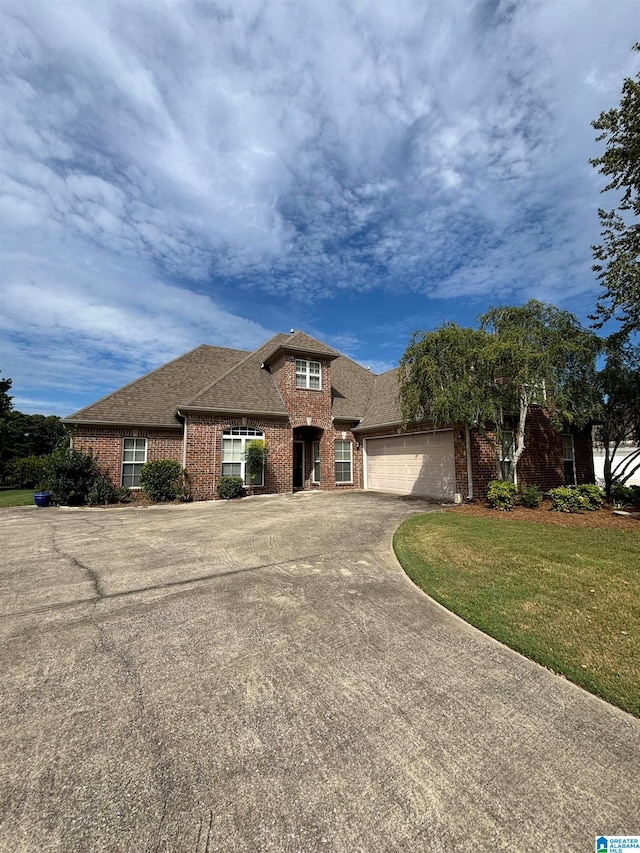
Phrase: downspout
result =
(184, 443)
(467, 438)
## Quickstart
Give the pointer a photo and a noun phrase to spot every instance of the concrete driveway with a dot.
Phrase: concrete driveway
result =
(261, 676)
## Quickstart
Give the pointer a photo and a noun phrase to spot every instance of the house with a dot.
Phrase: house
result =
(329, 423)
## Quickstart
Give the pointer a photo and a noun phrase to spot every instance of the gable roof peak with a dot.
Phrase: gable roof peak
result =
(299, 343)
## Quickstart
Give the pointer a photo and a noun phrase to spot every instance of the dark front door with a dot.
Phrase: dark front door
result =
(298, 464)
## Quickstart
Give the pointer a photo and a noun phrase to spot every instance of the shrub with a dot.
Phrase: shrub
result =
(566, 499)
(501, 495)
(69, 475)
(625, 495)
(29, 472)
(123, 495)
(593, 494)
(162, 479)
(230, 487)
(531, 497)
(102, 492)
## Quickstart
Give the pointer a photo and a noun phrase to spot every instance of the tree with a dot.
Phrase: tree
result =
(618, 257)
(619, 421)
(489, 377)
(255, 456)
(5, 400)
(33, 435)
(6, 406)
(23, 436)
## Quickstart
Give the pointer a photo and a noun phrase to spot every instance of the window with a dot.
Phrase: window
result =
(506, 456)
(568, 455)
(343, 462)
(134, 455)
(308, 374)
(234, 442)
(315, 450)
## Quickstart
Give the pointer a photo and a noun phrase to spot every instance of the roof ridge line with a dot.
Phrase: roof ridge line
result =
(147, 374)
(228, 372)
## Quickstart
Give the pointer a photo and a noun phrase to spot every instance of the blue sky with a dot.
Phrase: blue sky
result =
(184, 173)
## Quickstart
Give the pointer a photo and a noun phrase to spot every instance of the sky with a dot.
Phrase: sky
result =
(179, 173)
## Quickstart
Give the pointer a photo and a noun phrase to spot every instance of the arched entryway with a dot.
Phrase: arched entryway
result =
(306, 457)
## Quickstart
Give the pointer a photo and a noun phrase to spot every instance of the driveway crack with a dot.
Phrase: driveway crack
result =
(89, 572)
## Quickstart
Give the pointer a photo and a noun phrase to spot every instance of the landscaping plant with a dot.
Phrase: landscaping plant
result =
(593, 495)
(501, 495)
(566, 499)
(255, 456)
(69, 476)
(230, 487)
(162, 480)
(622, 496)
(102, 492)
(531, 496)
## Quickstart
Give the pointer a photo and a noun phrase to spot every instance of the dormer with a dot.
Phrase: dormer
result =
(301, 369)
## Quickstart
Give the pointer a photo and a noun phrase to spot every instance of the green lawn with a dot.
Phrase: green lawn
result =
(566, 597)
(16, 497)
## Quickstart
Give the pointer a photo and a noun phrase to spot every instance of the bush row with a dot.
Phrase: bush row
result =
(74, 478)
(504, 496)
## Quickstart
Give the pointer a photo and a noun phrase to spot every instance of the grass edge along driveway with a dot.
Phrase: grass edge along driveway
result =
(568, 598)
(16, 497)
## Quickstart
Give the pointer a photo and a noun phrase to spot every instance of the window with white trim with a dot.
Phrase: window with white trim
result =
(134, 455)
(308, 374)
(315, 450)
(234, 444)
(506, 455)
(344, 468)
(569, 457)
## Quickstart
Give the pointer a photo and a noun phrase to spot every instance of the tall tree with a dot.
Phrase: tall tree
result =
(6, 406)
(619, 421)
(5, 400)
(489, 377)
(25, 435)
(618, 257)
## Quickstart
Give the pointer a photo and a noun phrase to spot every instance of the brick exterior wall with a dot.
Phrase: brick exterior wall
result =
(541, 463)
(204, 452)
(106, 443)
(310, 418)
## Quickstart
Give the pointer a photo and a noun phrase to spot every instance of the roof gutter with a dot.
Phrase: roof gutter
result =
(374, 427)
(129, 424)
(229, 411)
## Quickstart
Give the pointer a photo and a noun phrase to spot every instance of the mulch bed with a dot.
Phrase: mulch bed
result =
(544, 515)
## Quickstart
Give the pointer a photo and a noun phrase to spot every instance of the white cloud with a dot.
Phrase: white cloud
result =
(70, 324)
(298, 150)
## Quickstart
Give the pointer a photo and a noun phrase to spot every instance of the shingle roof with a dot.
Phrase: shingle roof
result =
(351, 386)
(299, 342)
(383, 406)
(233, 380)
(245, 387)
(153, 399)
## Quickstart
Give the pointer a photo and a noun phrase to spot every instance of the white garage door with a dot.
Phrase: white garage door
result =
(421, 464)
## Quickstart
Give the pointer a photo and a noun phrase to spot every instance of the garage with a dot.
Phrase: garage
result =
(416, 464)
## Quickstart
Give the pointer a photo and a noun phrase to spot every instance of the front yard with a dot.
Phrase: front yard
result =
(564, 594)
(16, 497)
